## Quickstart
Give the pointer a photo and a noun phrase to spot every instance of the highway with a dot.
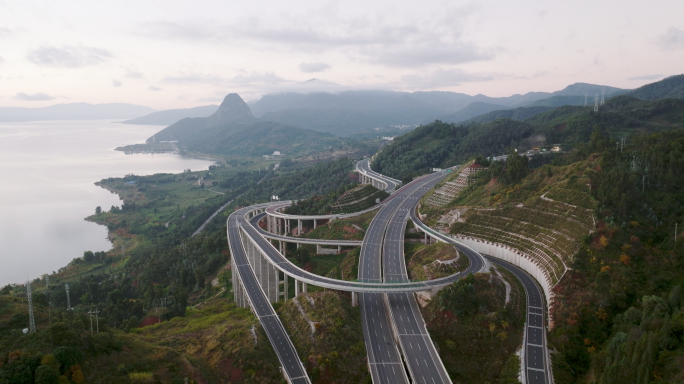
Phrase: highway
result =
(286, 266)
(388, 308)
(262, 308)
(363, 166)
(534, 345)
(384, 359)
(421, 356)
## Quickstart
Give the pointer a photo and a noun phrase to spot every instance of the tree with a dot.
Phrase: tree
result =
(46, 374)
(301, 255)
(517, 166)
(98, 210)
(88, 257)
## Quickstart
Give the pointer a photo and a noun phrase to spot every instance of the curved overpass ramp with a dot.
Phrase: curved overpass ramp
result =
(379, 181)
(259, 272)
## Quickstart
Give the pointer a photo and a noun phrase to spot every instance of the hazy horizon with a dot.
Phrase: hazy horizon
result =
(182, 55)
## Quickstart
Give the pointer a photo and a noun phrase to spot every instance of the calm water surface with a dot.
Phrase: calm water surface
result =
(47, 171)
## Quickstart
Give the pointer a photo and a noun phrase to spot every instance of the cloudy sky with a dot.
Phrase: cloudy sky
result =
(177, 54)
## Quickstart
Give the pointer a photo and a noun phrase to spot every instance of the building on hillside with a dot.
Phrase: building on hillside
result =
(556, 148)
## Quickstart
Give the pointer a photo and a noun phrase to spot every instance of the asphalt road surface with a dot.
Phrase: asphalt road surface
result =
(536, 370)
(262, 308)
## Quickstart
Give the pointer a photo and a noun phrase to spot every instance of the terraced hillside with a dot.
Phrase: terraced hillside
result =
(545, 217)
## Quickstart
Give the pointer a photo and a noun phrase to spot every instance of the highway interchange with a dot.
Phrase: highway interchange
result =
(392, 324)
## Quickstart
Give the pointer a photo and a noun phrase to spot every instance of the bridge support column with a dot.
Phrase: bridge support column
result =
(314, 223)
(355, 299)
(296, 288)
(298, 245)
(339, 249)
(268, 224)
(318, 249)
(299, 227)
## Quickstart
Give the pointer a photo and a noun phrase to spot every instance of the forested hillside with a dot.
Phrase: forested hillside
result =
(262, 138)
(672, 86)
(442, 145)
(610, 214)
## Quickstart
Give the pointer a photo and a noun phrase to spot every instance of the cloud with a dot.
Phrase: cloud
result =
(256, 77)
(153, 88)
(313, 67)
(435, 39)
(672, 39)
(34, 97)
(445, 78)
(116, 83)
(242, 79)
(5, 32)
(211, 99)
(185, 78)
(646, 77)
(135, 75)
(68, 56)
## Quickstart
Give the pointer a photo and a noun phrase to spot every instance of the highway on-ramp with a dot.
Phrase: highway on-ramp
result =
(292, 366)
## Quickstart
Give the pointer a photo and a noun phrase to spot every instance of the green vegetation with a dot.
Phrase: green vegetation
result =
(443, 145)
(476, 330)
(327, 333)
(434, 261)
(670, 87)
(440, 145)
(348, 198)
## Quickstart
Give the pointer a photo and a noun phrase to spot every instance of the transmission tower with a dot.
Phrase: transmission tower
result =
(66, 286)
(32, 320)
(603, 96)
(596, 103)
(585, 99)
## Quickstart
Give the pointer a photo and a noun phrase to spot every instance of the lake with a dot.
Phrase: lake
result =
(47, 175)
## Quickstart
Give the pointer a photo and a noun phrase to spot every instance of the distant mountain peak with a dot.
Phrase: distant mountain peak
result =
(233, 108)
(318, 81)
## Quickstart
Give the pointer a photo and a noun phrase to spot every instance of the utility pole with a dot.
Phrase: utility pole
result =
(643, 183)
(91, 313)
(32, 320)
(66, 286)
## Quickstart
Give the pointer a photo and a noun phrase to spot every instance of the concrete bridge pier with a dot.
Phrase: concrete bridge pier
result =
(238, 289)
(297, 288)
(299, 227)
(355, 299)
(267, 275)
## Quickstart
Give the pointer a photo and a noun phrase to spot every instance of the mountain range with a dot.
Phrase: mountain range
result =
(171, 116)
(74, 111)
